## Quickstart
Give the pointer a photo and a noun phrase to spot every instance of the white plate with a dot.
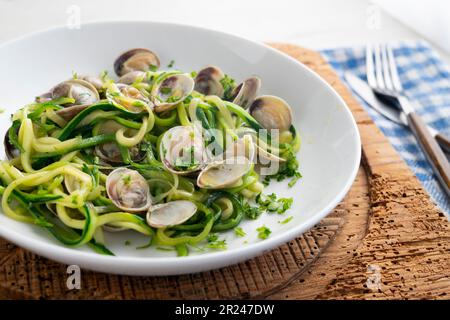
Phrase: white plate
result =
(329, 156)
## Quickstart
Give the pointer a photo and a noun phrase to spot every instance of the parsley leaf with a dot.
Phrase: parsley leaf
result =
(286, 220)
(251, 212)
(263, 232)
(166, 90)
(228, 85)
(239, 232)
(272, 204)
(288, 169)
(171, 64)
(215, 243)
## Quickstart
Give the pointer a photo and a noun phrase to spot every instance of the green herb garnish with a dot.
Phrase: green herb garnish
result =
(272, 204)
(228, 85)
(171, 64)
(166, 90)
(239, 232)
(250, 211)
(288, 169)
(263, 232)
(286, 220)
(215, 243)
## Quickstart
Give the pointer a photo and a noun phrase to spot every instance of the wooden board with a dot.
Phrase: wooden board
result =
(386, 239)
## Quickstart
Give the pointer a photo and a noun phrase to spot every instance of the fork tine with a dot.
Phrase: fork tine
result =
(379, 68)
(393, 69)
(386, 66)
(370, 70)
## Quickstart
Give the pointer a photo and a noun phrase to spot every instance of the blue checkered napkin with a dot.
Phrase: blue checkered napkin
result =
(426, 82)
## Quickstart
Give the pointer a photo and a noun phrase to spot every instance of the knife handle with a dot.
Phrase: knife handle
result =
(431, 149)
(443, 141)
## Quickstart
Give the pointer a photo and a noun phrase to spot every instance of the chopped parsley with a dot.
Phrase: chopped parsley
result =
(152, 67)
(104, 75)
(189, 163)
(126, 179)
(251, 212)
(288, 169)
(74, 199)
(239, 232)
(173, 98)
(263, 232)
(272, 204)
(287, 220)
(166, 90)
(127, 242)
(228, 85)
(171, 64)
(215, 243)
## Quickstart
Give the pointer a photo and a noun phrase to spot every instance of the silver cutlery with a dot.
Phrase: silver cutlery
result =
(382, 76)
(393, 113)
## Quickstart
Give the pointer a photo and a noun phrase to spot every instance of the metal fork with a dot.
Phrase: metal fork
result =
(382, 76)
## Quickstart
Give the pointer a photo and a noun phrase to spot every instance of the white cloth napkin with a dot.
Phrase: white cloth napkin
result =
(430, 18)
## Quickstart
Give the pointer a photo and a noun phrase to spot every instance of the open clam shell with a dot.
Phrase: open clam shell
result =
(171, 90)
(207, 81)
(225, 173)
(138, 59)
(170, 213)
(244, 94)
(128, 190)
(182, 150)
(272, 112)
(129, 97)
(83, 92)
(110, 152)
(132, 77)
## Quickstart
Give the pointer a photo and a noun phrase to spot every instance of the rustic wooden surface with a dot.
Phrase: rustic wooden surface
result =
(386, 239)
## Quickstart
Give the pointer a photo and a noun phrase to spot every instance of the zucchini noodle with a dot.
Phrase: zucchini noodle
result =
(140, 157)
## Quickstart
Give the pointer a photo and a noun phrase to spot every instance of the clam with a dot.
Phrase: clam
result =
(136, 60)
(110, 152)
(83, 92)
(97, 82)
(272, 112)
(264, 156)
(171, 90)
(260, 148)
(170, 213)
(182, 150)
(128, 190)
(71, 183)
(208, 83)
(68, 113)
(244, 94)
(128, 97)
(44, 97)
(132, 77)
(225, 173)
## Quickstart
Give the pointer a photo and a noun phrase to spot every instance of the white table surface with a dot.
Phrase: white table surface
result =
(314, 24)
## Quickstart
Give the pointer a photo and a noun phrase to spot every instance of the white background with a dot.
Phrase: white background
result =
(313, 23)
